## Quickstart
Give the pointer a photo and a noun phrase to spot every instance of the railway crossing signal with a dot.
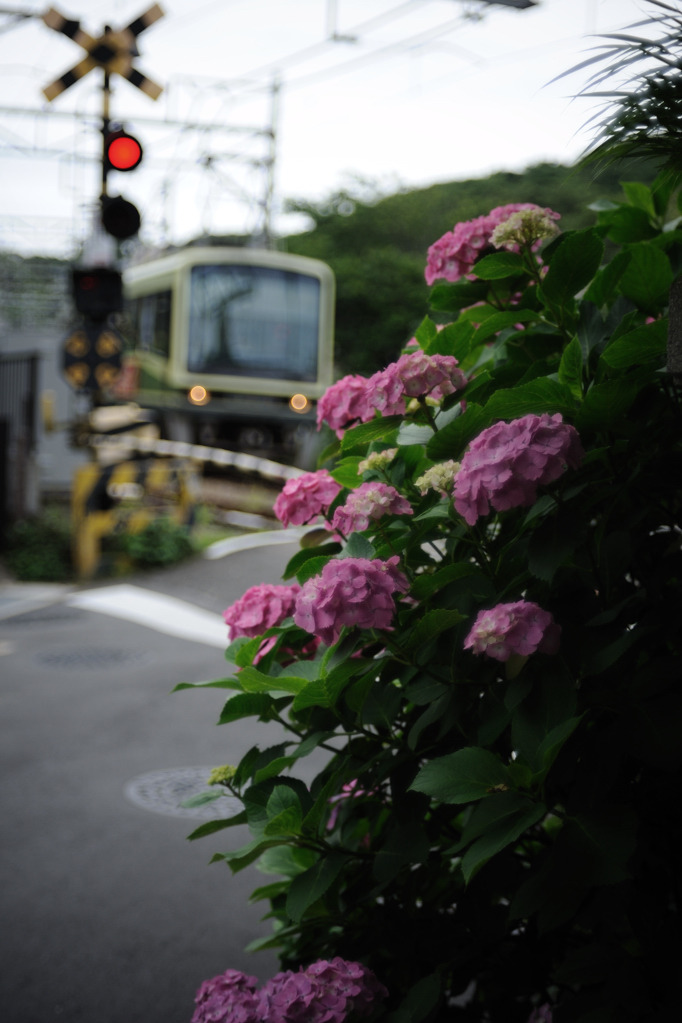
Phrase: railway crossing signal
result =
(112, 51)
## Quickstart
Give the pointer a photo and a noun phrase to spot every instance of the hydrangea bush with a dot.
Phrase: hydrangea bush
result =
(482, 639)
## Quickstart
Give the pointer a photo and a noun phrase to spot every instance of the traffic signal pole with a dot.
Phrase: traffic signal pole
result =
(106, 123)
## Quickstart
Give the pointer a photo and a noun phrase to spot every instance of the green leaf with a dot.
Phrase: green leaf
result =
(605, 403)
(420, 1001)
(571, 368)
(647, 278)
(642, 345)
(452, 297)
(311, 885)
(430, 625)
(574, 263)
(426, 331)
(326, 691)
(287, 861)
(469, 774)
(548, 705)
(243, 650)
(551, 745)
(312, 567)
(454, 339)
(321, 806)
(219, 683)
(500, 833)
(346, 473)
(203, 798)
(299, 559)
(269, 891)
(246, 705)
(211, 827)
(435, 713)
(603, 288)
(451, 441)
(378, 429)
(494, 324)
(537, 396)
(274, 768)
(284, 812)
(240, 858)
(499, 265)
(425, 585)
(314, 695)
(639, 195)
(254, 681)
(358, 546)
(412, 433)
(626, 224)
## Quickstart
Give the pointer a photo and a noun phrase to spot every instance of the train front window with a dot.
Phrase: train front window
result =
(253, 321)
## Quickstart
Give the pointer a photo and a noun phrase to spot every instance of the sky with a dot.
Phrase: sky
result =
(369, 95)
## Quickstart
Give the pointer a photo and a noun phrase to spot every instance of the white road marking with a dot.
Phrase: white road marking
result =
(221, 548)
(155, 610)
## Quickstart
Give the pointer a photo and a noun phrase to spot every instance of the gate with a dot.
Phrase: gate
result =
(18, 388)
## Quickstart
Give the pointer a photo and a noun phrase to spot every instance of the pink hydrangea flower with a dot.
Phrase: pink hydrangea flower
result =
(506, 463)
(344, 404)
(349, 592)
(385, 392)
(329, 991)
(422, 374)
(229, 998)
(415, 374)
(352, 982)
(305, 497)
(454, 254)
(261, 608)
(370, 501)
(518, 628)
(543, 1014)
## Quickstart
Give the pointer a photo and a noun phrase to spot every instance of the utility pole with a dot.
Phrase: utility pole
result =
(271, 160)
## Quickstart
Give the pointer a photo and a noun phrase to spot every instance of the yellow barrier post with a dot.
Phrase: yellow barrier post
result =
(126, 497)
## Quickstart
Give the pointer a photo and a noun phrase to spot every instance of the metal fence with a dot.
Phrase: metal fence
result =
(18, 394)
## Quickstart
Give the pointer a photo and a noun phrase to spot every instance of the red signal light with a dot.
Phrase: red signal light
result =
(122, 151)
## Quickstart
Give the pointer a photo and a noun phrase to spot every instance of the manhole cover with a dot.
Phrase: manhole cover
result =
(98, 657)
(164, 791)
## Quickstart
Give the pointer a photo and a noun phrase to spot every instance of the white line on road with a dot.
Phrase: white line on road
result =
(155, 610)
(221, 548)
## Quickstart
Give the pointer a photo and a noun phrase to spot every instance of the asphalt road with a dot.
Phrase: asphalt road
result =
(108, 914)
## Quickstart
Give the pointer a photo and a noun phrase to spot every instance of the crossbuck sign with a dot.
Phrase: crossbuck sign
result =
(112, 51)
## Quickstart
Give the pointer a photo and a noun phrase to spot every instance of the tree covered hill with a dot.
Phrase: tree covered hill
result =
(377, 245)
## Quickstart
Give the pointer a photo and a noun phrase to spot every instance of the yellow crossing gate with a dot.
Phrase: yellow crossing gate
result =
(125, 498)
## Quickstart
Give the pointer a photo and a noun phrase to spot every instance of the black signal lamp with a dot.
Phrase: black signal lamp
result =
(97, 291)
(120, 218)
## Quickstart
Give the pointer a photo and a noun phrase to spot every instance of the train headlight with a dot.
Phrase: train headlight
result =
(198, 395)
(299, 403)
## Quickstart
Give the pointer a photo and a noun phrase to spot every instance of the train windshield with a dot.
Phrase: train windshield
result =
(253, 321)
